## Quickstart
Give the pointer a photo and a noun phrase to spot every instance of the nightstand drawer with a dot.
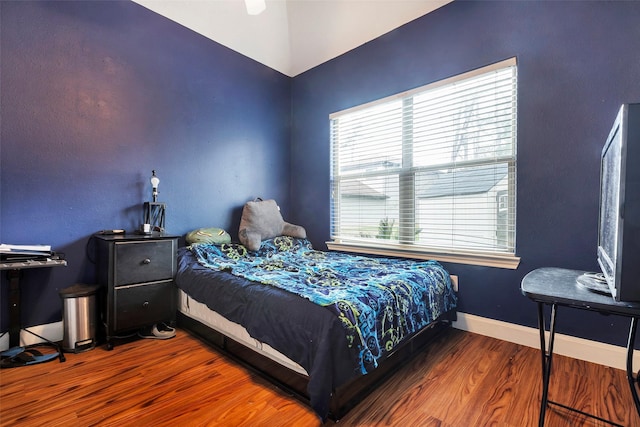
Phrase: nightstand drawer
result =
(143, 261)
(145, 304)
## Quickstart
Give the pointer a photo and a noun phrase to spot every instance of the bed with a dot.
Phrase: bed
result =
(324, 326)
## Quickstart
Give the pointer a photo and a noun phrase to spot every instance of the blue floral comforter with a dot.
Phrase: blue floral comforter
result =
(379, 301)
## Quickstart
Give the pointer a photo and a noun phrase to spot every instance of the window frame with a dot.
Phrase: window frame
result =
(405, 249)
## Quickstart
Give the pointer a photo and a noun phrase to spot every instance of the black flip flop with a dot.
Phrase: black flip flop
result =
(27, 357)
(13, 351)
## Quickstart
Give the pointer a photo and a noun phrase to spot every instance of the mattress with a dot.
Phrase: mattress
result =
(203, 314)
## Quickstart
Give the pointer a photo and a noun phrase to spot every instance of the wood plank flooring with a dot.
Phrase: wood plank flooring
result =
(466, 380)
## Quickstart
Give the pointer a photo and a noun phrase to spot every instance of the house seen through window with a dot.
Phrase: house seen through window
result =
(432, 170)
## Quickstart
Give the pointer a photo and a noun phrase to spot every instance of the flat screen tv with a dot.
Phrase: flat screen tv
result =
(619, 214)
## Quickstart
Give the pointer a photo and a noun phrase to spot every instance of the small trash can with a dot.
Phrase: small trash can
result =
(79, 317)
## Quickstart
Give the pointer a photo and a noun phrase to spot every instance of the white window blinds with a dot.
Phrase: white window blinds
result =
(433, 169)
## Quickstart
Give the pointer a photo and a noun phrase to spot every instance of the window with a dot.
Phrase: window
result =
(430, 173)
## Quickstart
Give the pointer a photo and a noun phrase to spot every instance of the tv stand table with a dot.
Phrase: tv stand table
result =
(557, 287)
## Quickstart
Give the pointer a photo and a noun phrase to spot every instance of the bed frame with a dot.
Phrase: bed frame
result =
(346, 396)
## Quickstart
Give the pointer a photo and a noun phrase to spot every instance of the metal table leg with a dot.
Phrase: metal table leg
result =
(547, 356)
(632, 382)
(14, 307)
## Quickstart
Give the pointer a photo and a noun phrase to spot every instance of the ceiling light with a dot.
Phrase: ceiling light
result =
(255, 7)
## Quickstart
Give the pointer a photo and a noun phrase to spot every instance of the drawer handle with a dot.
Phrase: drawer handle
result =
(145, 304)
(146, 261)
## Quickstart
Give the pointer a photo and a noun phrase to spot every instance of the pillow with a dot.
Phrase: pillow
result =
(212, 235)
(262, 220)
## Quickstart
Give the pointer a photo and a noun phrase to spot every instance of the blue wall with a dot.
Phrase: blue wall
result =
(577, 62)
(97, 94)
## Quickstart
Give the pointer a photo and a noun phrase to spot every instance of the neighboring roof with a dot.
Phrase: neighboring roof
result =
(475, 180)
(361, 190)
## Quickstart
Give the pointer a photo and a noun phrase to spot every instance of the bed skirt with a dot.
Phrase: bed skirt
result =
(295, 383)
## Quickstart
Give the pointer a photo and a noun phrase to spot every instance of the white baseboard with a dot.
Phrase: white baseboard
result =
(566, 345)
(51, 331)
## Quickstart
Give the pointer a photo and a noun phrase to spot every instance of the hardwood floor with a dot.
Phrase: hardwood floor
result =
(466, 380)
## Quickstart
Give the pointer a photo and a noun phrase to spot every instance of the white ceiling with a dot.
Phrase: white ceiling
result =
(293, 36)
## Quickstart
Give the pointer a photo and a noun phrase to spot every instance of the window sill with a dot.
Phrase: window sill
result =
(472, 258)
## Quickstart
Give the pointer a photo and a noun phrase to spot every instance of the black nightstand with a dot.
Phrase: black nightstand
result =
(136, 273)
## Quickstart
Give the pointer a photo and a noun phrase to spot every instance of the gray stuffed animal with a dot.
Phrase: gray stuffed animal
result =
(262, 220)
